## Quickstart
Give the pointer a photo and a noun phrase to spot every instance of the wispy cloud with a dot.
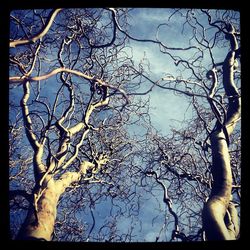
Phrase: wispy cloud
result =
(167, 107)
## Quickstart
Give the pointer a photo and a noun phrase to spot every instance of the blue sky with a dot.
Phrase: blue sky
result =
(166, 108)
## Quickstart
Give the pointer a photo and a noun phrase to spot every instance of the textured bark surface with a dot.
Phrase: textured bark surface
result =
(40, 221)
(39, 224)
(216, 207)
(219, 215)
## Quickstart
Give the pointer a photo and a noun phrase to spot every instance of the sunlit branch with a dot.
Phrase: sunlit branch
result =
(39, 167)
(40, 34)
(73, 157)
(19, 64)
(34, 60)
(17, 79)
(113, 37)
(26, 116)
(217, 210)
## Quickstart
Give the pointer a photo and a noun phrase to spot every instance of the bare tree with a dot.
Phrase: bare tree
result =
(74, 110)
(201, 153)
(74, 115)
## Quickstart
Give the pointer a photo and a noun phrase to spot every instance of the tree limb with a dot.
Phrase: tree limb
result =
(44, 30)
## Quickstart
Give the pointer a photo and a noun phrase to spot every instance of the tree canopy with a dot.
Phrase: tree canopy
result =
(124, 124)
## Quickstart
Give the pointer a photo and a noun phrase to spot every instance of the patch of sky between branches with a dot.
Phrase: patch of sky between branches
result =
(166, 108)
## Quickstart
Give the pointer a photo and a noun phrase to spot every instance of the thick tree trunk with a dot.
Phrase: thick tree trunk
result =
(216, 207)
(40, 221)
(219, 214)
(39, 225)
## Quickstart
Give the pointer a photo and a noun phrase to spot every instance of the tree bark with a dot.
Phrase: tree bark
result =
(219, 214)
(40, 221)
(39, 225)
(44, 30)
(216, 206)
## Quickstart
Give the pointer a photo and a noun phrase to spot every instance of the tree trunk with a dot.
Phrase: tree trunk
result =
(216, 207)
(39, 225)
(220, 219)
(40, 221)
